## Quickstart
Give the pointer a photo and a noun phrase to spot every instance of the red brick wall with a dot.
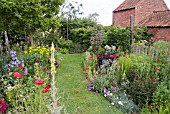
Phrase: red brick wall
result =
(122, 18)
(160, 33)
(146, 7)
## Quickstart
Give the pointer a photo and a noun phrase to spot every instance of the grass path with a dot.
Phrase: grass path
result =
(72, 85)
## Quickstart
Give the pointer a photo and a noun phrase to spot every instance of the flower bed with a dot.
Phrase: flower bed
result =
(131, 82)
(28, 84)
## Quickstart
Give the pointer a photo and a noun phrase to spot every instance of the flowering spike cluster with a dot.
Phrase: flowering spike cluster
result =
(15, 61)
(97, 39)
(54, 108)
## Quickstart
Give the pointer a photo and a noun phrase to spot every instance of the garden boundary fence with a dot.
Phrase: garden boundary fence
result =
(148, 50)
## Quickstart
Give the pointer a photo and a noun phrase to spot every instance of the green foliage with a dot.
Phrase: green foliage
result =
(117, 36)
(162, 45)
(73, 87)
(125, 64)
(64, 50)
(121, 101)
(100, 83)
(82, 36)
(74, 24)
(120, 37)
(141, 34)
(161, 96)
(140, 89)
(29, 15)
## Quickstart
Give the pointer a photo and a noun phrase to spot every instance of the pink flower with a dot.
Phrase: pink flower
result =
(154, 79)
(3, 106)
(150, 106)
(26, 71)
(57, 103)
(91, 56)
(37, 60)
(111, 56)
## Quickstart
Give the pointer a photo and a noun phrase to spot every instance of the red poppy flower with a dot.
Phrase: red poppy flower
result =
(87, 68)
(37, 60)
(44, 68)
(47, 87)
(97, 57)
(158, 59)
(57, 103)
(154, 79)
(39, 81)
(91, 56)
(44, 91)
(157, 68)
(150, 106)
(115, 56)
(17, 75)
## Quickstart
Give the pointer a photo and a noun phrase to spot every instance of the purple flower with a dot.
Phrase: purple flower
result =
(96, 92)
(123, 85)
(26, 71)
(105, 90)
(115, 89)
(91, 87)
(3, 106)
(13, 62)
(1, 47)
(14, 58)
(78, 46)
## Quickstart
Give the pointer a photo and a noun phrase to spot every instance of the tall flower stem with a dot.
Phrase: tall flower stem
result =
(53, 106)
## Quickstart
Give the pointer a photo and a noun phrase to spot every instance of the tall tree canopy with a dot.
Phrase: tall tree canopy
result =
(29, 15)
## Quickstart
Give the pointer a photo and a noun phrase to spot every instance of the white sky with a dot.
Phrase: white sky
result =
(104, 8)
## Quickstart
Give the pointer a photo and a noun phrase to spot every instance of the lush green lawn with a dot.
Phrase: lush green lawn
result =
(72, 85)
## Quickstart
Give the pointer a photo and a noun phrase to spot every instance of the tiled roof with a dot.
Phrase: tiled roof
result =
(127, 4)
(157, 19)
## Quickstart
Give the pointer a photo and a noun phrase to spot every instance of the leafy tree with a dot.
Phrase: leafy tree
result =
(117, 36)
(93, 16)
(29, 15)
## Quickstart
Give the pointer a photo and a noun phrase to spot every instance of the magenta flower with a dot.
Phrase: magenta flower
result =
(3, 106)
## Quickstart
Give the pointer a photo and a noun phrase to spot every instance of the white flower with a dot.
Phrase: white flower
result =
(112, 103)
(107, 47)
(105, 95)
(109, 94)
(120, 103)
(113, 48)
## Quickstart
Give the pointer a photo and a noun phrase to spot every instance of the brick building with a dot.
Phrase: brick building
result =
(151, 13)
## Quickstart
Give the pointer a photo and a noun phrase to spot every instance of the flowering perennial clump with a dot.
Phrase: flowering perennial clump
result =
(38, 50)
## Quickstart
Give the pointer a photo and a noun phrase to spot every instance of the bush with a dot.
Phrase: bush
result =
(119, 37)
